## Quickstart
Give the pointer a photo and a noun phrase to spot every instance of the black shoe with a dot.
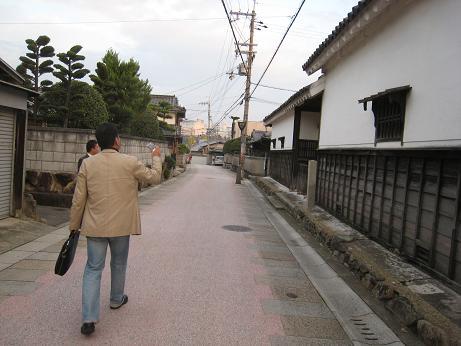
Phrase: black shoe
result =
(87, 328)
(124, 301)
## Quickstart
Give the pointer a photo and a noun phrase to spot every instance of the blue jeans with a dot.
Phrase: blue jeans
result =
(97, 248)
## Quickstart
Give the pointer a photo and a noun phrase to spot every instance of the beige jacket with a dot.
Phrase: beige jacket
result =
(105, 202)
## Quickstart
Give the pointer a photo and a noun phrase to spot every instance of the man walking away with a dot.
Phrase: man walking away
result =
(92, 148)
(105, 208)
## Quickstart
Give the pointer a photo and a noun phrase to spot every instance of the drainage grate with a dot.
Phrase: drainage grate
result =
(364, 329)
(236, 228)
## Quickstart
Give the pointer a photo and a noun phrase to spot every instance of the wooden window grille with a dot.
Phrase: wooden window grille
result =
(282, 142)
(389, 111)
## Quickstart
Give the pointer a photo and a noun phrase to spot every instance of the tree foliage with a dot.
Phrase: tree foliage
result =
(146, 125)
(163, 109)
(183, 149)
(232, 146)
(87, 107)
(124, 92)
(34, 64)
(69, 70)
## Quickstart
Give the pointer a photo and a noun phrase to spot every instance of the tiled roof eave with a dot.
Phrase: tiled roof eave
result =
(296, 99)
(361, 15)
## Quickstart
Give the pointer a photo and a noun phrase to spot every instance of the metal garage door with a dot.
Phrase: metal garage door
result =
(6, 162)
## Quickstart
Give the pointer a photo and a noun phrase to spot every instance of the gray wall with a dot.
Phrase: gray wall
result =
(57, 150)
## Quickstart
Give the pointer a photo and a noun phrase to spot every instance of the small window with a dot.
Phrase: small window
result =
(282, 142)
(274, 143)
(389, 111)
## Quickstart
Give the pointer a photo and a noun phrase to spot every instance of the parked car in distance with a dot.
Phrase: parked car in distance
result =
(218, 160)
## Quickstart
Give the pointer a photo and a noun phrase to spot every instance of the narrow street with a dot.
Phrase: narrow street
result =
(209, 269)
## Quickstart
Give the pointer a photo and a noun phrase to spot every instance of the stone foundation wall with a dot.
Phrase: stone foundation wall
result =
(57, 150)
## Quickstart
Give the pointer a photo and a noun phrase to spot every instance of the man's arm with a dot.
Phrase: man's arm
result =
(79, 164)
(149, 175)
(79, 199)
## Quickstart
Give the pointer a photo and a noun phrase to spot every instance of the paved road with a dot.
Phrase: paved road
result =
(209, 269)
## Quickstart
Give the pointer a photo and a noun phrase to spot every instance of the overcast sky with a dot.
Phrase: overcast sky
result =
(175, 55)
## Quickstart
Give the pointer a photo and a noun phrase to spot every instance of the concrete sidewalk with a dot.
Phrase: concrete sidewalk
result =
(419, 301)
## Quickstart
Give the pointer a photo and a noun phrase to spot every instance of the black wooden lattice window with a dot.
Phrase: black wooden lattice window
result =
(282, 142)
(389, 111)
(274, 143)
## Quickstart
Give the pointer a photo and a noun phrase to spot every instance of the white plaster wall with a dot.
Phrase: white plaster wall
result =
(309, 127)
(13, 98)
(420, 48)
(283, 127)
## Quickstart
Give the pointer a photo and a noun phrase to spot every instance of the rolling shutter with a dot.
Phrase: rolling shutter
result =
(6, 162)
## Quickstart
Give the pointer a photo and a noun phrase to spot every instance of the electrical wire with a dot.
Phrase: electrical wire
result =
(233, 32)
(117, 21)
(278, 47)
(276, 88)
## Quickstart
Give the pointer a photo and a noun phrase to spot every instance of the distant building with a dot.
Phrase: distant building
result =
(251, 126)
(195, 127)
(174, 118)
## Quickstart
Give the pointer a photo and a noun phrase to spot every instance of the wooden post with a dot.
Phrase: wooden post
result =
(311, 184)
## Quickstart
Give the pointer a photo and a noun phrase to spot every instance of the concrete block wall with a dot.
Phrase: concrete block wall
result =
(254, 165)
(57, 150)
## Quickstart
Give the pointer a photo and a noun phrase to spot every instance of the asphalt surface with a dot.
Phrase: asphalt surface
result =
(208, 270)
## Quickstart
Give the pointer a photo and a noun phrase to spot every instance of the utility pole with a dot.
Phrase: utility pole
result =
(249, 64)
(208, 131)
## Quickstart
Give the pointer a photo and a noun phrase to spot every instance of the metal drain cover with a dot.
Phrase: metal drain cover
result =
(236, 228)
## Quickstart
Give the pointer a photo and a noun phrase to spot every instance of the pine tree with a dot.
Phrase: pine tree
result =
(126, 95)
(32, 67)
(163, 109)
(70, 69)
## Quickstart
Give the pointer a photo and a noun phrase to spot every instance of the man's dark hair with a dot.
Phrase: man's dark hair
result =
(106, 134)
(91, 144)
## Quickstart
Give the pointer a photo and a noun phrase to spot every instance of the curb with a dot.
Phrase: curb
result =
(397, 284)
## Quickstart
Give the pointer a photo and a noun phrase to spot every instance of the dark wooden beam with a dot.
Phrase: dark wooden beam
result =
(454, 230)
(435, 219)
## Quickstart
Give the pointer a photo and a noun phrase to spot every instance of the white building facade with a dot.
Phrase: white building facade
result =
(390, 135)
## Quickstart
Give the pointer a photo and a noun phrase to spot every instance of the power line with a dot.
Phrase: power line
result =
(276, 88)
(117, 21)
(233, 32)
(278, 47)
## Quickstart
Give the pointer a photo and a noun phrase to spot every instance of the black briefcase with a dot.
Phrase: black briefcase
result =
(67, 254)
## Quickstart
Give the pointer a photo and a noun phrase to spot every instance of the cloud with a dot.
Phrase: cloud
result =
(174, 54)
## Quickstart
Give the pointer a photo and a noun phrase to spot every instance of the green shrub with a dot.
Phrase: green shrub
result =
(166, 173)
(170, 163)
(183, 149)
(232, 146)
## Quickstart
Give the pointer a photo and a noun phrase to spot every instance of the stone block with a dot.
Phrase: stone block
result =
(32, 135)
(45, 155)
(70, 158)
(31, 155)
(48, 136)
(383, 291)
(71, 148)
(70, 137)
(68, 167)
(432, 335)
(402, 308)
(35, 145)
(35, 165)
(60, 137)
(58, 157)
(52, 146)
(52, 166)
